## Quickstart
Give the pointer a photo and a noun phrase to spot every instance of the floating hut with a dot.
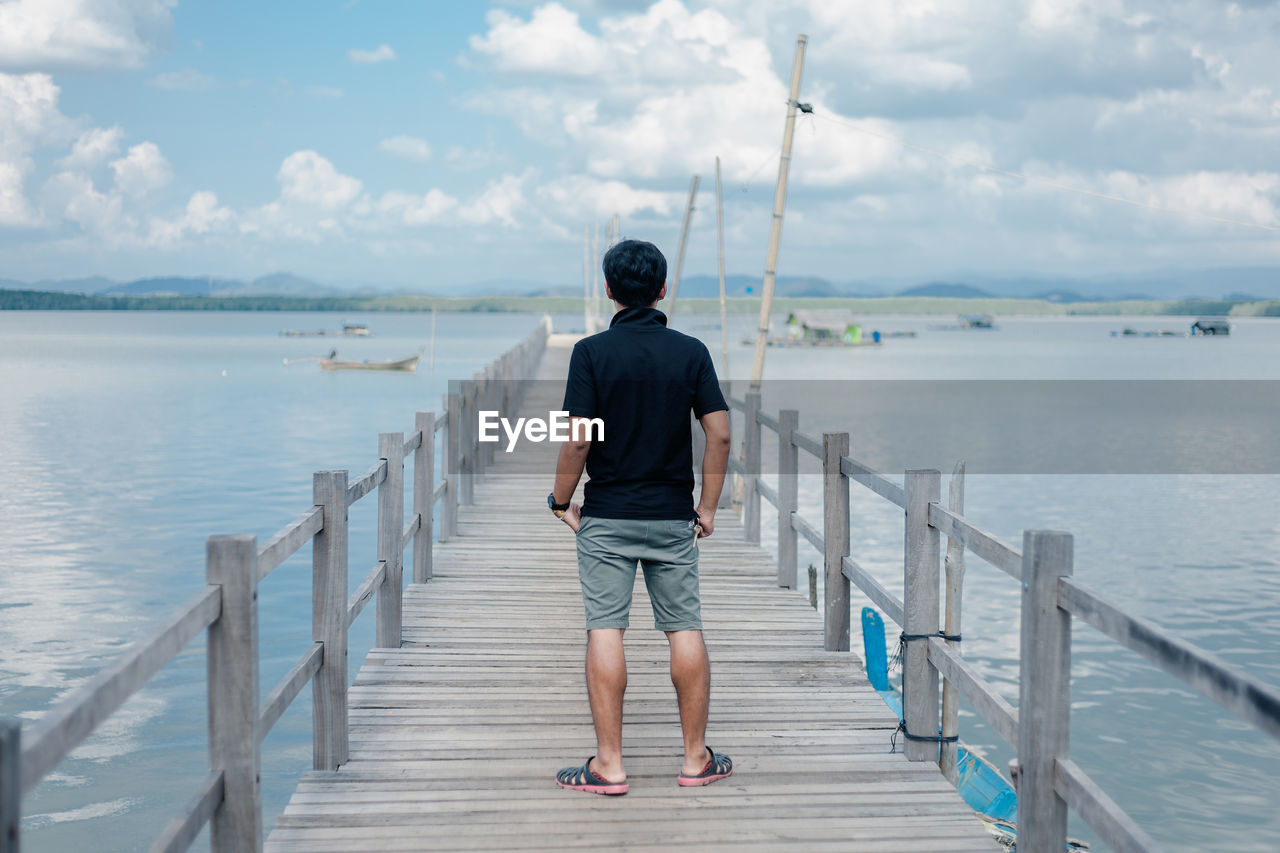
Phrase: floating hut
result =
(1211, 326)
(829, 327)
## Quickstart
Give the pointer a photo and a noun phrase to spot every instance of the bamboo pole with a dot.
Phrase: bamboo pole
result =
(595, 277)
(779, 204)
(724, 316)
(954, 565)
(586, 280)
(684, 242)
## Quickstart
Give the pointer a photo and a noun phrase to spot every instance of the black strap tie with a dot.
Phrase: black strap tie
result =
(903, 639)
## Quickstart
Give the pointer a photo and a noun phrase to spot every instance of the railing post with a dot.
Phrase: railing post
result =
(751, 461)
(232, 564)
(920, 608)
(390, 550)
(467, 446)
(788, 496)
(424, 490)
(450, 462)
(726, 494)
(835, 536)
(953, 563)
(10, 785)
(1044, 702)
(329, 622)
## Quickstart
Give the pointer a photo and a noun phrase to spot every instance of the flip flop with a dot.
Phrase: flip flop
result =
(583, 779)
(718, 767)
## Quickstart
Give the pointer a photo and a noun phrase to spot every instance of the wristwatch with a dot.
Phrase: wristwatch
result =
(558, 510)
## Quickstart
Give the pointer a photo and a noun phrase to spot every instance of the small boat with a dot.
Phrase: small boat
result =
(333, 363)
(983, 788)
(969, 321)
(349, 330)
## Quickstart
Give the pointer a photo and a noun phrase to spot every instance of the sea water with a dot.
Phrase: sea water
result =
(127, 438)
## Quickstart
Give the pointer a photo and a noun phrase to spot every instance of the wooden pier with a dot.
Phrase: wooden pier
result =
(475, 696)
(456, 736)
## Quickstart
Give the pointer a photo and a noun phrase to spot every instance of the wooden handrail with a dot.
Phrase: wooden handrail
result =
(229, 798)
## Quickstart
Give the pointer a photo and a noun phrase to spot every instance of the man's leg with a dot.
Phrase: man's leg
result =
(691, 675)
(606, 684)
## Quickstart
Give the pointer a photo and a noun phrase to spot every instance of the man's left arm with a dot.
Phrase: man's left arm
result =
(569, 466)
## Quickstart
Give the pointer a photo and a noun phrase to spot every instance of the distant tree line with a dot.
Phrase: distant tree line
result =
(40, 300)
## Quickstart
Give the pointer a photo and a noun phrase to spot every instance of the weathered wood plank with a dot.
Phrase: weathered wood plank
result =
(873, 589)
(391, 540)
(364, 593)
(288, 541)
(990, 548)
(183, 829)
(1089, 801)
(920, 614)
(1254, 701)
(283, 694)
(367, 482)
(873, 480)
(329, 622)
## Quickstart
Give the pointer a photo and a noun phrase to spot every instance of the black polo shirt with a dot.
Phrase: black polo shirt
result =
(642, 379)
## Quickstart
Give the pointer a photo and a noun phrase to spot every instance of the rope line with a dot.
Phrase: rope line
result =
(1049, 182)
(939, 738)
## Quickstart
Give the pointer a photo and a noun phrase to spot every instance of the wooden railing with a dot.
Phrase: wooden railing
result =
(228, 799)
(1048, 781)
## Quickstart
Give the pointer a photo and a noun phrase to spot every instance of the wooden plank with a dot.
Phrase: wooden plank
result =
(364, 593)
(283, 694)
(1254, 701)
(1044, 681)
(876, 482)
(788, 496)
(367, 482)
(424, 496)
(807, 443)
(920, 613)
(234, 744)
(989, 704)
(329, 622)
(953, 564)
(410, 531)
(288, 541)
(998, 553)
(449, 462)
(735, 403)
(67, 724)
(807, 530)
(391, 540)
(1089, 801)
(182, 831)
(835, 536)
(766, 491)
(414, 441)
(873, 589)
(767, 421)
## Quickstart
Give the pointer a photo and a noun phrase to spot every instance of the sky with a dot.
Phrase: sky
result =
(441, 145)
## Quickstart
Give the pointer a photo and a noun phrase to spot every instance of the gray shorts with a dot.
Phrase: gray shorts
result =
(608, 551)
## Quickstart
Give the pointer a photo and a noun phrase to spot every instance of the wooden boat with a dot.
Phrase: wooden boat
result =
(983, 788)
(410, 364)
(349, 330)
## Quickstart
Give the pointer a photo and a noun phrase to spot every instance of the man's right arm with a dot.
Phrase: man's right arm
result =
(715, 462)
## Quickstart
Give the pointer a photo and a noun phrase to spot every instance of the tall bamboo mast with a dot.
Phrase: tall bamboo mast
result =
(724, 334)
(684, 240)
(779, 205)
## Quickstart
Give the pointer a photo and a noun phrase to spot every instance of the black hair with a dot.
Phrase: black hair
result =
(635, 272)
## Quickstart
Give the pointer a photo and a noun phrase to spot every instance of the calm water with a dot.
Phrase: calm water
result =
(126, 439)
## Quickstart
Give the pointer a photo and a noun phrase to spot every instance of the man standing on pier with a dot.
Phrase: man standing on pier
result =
(643, 380)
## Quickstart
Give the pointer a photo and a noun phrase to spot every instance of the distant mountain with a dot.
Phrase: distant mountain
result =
(164, 285)
(708, 287)
(947, 290)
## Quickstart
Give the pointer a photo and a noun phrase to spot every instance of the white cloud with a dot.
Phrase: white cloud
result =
(328, 93)
(307, 178)
(381, 53)
(186, 80)
(14, 209)
(142, 170)
(417, 210)
(84, 34)
(501, 202)
(551, 41)
(201, 216)
(93, 148)
(406, 148)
